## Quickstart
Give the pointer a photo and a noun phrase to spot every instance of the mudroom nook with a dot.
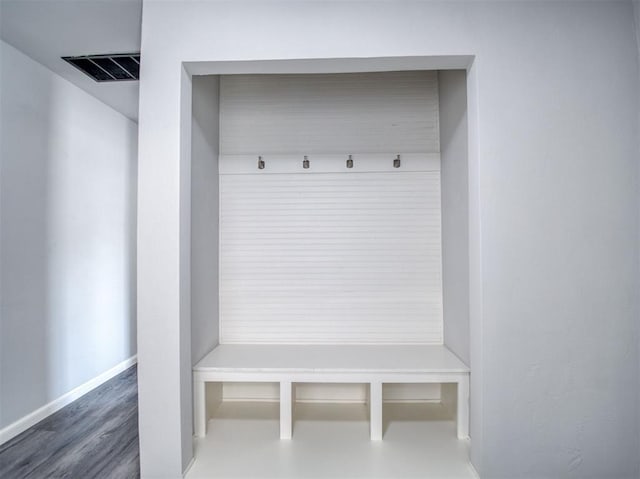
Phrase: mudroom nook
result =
(329, 258)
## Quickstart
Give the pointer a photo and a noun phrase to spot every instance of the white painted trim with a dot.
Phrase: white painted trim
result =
(31, 419)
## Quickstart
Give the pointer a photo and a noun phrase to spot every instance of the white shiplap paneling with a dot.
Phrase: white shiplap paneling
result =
(330, 258)
(329, 113)
(330, 254)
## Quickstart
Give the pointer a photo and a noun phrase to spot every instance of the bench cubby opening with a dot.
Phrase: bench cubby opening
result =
(217, 394)
(330, 403)
(425, 408)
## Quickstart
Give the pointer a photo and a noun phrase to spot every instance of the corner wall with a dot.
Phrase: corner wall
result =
(68, 179)
(455, 210)
(204, 215)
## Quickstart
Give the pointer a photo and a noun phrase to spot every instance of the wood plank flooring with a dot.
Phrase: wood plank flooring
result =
(93, 437)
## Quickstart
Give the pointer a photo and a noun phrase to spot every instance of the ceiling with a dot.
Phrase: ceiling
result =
(46, 30)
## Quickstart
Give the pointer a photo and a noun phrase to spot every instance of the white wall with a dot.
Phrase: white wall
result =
(204, 216)
(455, 210)
(67, 236)
(553, 210)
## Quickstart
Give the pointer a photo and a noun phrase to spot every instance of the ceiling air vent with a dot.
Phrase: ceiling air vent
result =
(116, 67)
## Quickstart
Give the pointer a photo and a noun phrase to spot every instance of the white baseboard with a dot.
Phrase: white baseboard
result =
(473, 471)
(193, 459)
(24, 423)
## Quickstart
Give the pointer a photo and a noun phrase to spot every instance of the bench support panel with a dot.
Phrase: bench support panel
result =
(199, 407)
(286, 409)
(463, 408)
(375, 410)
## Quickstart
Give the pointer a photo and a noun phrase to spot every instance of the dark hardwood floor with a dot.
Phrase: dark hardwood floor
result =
(93, 437)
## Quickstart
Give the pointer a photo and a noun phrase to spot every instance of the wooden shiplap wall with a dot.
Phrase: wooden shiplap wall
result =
(329, 113)
(330, 255)
(331, 258)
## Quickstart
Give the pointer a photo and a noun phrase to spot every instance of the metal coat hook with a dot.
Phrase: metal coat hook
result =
(260, 163)
(305, 163)
(396, 162)
(350, 162)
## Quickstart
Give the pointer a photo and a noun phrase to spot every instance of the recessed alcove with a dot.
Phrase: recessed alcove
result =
(330, 207)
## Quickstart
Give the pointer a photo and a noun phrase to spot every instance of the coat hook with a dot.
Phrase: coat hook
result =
(396, 162)
(260, 163)
(305, 163)
(350, 162)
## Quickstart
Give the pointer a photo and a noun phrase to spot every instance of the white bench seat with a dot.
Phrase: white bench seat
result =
(289, 364)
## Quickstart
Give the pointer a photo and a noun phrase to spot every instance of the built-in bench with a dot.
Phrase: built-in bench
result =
(290, 364)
